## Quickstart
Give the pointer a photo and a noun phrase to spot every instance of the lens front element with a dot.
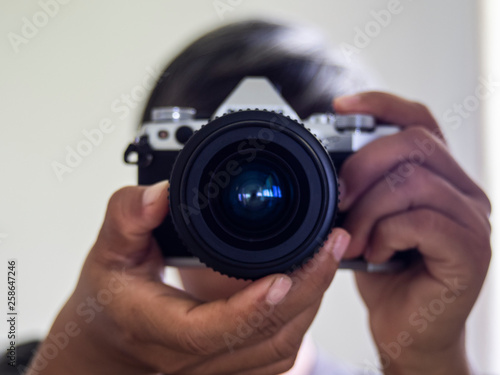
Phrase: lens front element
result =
(255, 203)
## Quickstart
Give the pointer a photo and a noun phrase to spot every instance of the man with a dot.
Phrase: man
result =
(122, 319)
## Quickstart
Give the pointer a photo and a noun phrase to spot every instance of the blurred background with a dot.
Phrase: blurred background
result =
(69, 73)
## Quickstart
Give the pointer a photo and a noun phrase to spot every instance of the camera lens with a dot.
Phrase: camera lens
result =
(253, 193)
(257, 202)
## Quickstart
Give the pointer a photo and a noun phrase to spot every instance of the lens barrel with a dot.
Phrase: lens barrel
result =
(253, 193)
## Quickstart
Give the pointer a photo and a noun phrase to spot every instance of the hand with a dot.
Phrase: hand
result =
(122, 319)
(406, 191)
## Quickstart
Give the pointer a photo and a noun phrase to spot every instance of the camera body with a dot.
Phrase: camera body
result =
(253, 121)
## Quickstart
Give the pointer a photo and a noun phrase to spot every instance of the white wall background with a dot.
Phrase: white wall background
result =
(65, 79)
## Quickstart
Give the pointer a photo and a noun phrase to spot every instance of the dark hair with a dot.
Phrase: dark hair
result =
(296, 59)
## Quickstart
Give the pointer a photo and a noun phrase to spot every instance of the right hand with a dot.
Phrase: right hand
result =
(122, 319)
(430, 204)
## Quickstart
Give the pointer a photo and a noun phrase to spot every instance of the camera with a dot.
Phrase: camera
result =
(253, 189)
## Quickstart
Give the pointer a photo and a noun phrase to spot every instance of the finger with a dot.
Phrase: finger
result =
(394, 158)
(278, 349)
(308, 285)
(132, 213)
(447, 249)
(192, 339)
(267, 354)
(196, 353)
(388, 108)
(204, 329)
(422, 189)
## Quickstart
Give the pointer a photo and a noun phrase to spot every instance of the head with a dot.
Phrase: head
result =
(295, 59)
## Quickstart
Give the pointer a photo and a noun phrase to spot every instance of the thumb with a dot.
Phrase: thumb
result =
(132, 213)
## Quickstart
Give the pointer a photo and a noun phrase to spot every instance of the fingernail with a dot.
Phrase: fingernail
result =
(339, 245)
(278, 290)
(153, 192)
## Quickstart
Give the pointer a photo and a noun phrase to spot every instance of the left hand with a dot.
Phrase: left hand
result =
(406, 191)
(122, 319)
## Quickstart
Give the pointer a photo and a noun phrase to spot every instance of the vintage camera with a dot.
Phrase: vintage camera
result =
(253, 190)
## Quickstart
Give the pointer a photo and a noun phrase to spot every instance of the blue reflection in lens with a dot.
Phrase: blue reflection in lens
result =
(256, 198)
(254, 195)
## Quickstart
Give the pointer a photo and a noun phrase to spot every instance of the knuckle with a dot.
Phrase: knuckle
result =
(284, 349)
(385, 229)
(286, 364)
(426, 117)
(484, 252)
(419, 133)
(478, 260)
(420, 182)
(196, 342)
(118, 195)
(422, 108)
(414, 180)
(486, 203)
(425, 220)
(487, 253)
(130, 337)
(117, 211)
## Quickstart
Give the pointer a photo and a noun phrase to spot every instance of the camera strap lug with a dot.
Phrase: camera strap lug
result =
(142, 150)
